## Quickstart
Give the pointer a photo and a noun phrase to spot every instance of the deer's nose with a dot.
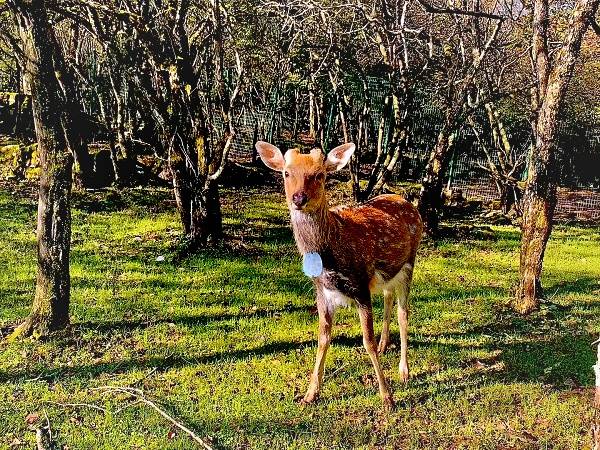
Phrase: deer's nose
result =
(299, 199)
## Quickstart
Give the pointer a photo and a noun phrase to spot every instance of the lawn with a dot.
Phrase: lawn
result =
(225, 340)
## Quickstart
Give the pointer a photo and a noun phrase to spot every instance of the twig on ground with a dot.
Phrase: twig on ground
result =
(332, 374)
(553, 295)
(150, 372)
(43, 375)
(48, 425)
(43, 436)
(128, 405)
(139, 395)
(79, 405)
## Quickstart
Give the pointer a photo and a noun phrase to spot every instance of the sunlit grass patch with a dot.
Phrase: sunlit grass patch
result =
(225, 339)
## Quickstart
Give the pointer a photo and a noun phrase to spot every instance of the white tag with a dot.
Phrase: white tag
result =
(312, 264)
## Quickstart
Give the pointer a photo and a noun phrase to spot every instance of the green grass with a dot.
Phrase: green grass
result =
(224, 340)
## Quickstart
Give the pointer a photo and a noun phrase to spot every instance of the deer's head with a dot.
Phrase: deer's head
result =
(304, 174)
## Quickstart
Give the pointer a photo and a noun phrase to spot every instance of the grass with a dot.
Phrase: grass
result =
(224, 340)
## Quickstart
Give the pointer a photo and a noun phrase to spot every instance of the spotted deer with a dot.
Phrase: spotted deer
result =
(357, 251)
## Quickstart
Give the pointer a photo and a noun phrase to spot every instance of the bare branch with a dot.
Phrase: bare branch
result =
(594, 26)
(459, 12)
(79, 405)
(139, 395)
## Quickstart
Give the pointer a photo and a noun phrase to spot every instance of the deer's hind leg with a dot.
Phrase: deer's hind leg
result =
(366, 321)
(402, 291)
(388, 305)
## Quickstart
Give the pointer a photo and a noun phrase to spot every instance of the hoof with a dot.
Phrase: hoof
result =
(307, 399)
(388, 403)
(382, 346)
(404, 375)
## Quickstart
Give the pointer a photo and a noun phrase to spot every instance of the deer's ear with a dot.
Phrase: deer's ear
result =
(339, 157)
(270, 155)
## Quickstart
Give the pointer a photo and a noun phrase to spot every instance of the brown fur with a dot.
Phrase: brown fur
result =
(364, 249)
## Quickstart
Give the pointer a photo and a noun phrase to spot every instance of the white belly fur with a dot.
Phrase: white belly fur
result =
(378, 284)
(335, 299)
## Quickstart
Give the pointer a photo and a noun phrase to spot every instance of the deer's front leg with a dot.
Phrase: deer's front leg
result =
(366, 321)
(325, 324)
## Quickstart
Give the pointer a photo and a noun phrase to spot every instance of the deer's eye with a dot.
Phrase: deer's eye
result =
(286, 174)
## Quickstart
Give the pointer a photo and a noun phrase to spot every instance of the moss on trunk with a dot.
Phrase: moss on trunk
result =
(50, 310)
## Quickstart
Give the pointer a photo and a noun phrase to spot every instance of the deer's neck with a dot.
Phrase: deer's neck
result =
(312, 230)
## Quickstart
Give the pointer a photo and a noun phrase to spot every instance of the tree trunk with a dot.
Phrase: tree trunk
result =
(74, 119)
(199, 209)
(539, 202)
(313, 113)
(182, 188)
(350, 133)
(538, 213)
(508, 194)
(123, 163)
(50, 310)
(384, 168)
(207, 222)
(430, 197)
(539, 199)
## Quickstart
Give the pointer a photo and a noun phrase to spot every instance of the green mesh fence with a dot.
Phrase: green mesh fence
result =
(579, 195)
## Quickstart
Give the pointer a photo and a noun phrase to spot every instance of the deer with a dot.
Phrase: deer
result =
(350, 253)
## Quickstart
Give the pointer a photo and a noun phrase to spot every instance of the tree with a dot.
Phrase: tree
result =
(501, 130)
(74, 118)
(181, 68)
(552, 73)
(466, 37)
(400, 45)
(50, 309)
(72, 115)
(505, 161)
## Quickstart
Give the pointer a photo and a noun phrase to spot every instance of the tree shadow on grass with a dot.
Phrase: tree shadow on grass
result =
(558, 364)
(576, 284)
(119, 326)
(559, 360)
(564, 361)
(161, 364)
(114, 200)
(246, 240)
(277, 232)
(536, 349)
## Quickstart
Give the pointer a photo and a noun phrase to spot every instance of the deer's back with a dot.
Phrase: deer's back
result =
(376, 239)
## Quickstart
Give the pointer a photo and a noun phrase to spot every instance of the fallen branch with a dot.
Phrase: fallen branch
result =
(128, 405)
(79, 405)
(43, 436)
(139, 395)
(41, 439)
